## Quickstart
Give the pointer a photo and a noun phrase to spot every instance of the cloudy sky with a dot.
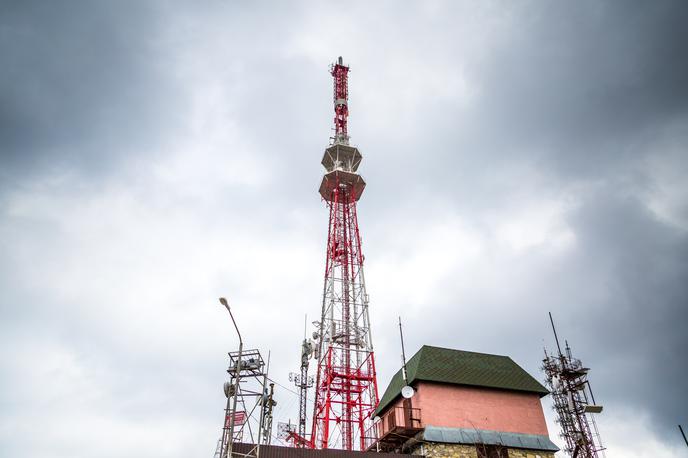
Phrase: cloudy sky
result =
(521, 157)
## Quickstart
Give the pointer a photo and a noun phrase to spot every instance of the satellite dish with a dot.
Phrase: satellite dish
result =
(376, 419)
(407, 392)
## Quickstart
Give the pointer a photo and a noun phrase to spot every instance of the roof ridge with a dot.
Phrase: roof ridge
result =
(462, 351)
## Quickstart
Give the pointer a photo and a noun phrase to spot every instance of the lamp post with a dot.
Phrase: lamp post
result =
(237, 371)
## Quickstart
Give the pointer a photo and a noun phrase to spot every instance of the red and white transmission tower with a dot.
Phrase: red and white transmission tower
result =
(346, 387)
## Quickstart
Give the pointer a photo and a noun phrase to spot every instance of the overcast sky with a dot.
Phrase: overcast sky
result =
(521, 157)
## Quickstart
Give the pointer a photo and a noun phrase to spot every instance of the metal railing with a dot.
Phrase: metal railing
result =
(396, 419)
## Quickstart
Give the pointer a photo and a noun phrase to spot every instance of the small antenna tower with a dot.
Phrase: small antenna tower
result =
(267, 404)
(248, 414)
(407, 391)
(403, 355)
(574, 402)
(303, 382)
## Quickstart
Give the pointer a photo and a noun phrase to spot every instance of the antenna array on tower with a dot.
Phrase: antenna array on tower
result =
(574, 402)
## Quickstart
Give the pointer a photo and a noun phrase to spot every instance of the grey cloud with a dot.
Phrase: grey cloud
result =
(593, 73)
(82, 83)
(570, 103)
(631, 337)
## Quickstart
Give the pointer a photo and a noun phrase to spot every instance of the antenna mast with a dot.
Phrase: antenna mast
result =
(403, 355)
(555, 332)
(246, 392)
(303, 382)
(340, 73)
(574, 402)
(346, 386)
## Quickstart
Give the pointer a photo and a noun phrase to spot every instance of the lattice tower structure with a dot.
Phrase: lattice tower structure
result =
(303, 382)
(248, 413)
(574, 403)
(346, 386)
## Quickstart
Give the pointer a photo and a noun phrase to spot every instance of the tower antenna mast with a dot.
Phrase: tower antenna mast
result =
(303, 382)
(574, 402)
(340, 73)
(346, 393)
(403, 355)
(555, 333)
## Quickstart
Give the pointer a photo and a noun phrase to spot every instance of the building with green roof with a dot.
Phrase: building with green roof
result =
(463, 404)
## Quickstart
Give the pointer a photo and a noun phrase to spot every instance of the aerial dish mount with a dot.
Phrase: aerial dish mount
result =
(407, 392)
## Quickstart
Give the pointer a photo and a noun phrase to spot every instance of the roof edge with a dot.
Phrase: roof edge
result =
(463, 351)
(489, 437)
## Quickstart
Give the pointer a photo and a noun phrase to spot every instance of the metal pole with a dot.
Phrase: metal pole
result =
(225, 439)
(261, 423)
(237, 371)
(683, 434)
(403, 354)
(270, 404)
(555, 333)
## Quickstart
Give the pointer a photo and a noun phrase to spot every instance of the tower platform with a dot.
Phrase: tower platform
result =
(341, 179)
(343, 157)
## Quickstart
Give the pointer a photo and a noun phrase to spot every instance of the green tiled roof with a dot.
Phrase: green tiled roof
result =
(457, 367)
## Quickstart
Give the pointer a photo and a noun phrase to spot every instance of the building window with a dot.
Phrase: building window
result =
(492, 451)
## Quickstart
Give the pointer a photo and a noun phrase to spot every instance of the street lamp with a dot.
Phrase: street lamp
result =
(237, 371)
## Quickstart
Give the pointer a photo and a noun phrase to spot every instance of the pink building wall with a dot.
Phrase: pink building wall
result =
(457, 406)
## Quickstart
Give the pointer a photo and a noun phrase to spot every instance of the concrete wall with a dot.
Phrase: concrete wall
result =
(479, 408)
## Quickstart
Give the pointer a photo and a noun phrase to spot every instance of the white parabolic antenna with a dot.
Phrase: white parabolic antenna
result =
(407, 392)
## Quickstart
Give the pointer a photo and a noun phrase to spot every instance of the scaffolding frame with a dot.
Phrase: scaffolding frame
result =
(248, 413)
